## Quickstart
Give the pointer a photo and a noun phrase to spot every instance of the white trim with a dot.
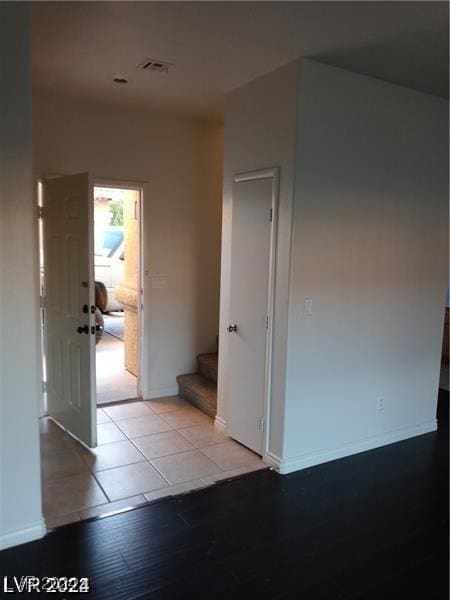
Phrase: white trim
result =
(272, 459)
(161, 393)
(138, 186)
(42, 396)
(274, 174)
(119, 183)
(144, 381)
(22, 536)
(270, 173)
(270, 306)
(321, 456)
(220, 424)
(91, 315)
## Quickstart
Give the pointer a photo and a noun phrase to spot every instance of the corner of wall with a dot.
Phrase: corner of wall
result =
(22, 536)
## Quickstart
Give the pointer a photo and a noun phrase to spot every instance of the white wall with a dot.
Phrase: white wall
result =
(209, 213)
(260, 133)
(181, 161)
(370, 247)
(365, 163)
(20, 491)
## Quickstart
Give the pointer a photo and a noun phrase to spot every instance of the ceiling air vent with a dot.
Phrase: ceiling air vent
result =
(151, 64)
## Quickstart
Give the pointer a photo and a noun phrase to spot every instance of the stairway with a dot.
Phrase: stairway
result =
(200, 388)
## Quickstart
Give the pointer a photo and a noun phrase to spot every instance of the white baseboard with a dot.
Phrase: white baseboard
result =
(221, 424)
(272, 460)
(23, 536)
(161, 393)
(316, 458)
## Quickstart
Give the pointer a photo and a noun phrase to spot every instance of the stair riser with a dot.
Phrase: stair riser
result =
(198, 401)
(207, 371)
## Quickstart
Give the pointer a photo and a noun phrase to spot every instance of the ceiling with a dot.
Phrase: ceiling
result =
(79, 47)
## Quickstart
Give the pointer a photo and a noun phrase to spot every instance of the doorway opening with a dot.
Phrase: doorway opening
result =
(117, 292)
(99, 459)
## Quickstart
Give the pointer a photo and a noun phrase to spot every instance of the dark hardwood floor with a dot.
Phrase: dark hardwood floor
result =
(371, 526)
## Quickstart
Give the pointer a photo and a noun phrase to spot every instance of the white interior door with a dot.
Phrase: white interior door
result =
(69, 304)
(250, 307)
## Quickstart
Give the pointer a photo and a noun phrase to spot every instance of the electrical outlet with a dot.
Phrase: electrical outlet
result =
(381, 403)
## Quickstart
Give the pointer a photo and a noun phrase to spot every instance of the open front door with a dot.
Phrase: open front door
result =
(69, 304)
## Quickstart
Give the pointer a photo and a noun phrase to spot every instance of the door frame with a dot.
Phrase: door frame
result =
(140, 186)
(39, 233)
(274, 174)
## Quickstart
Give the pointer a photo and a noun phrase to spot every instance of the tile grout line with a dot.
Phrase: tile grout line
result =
(101, 487)
(162, 475)
(162, 455)
(134, 445)
(170, 487)
(130, 464)
(211, 459)
(147, 434)
(138, 449)
(114, 420)
(223, 469)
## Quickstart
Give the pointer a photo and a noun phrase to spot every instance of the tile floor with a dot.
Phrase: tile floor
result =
(147, 450)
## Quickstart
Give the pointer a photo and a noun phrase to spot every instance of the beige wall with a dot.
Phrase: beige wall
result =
(20, 485)
(208, 247)
(363, 233)
(370, 248)
(260, 133)
(180, 161)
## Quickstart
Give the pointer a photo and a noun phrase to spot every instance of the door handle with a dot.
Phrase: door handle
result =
(84, 329)
(231, 328)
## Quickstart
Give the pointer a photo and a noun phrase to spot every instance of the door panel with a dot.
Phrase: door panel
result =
(249, 309)
(69, 297)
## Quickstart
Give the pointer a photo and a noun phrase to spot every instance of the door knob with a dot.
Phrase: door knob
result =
(231, 328)
(84, 329)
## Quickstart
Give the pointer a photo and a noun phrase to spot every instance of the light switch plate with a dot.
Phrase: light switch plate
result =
(307, 307)
(159, 282)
